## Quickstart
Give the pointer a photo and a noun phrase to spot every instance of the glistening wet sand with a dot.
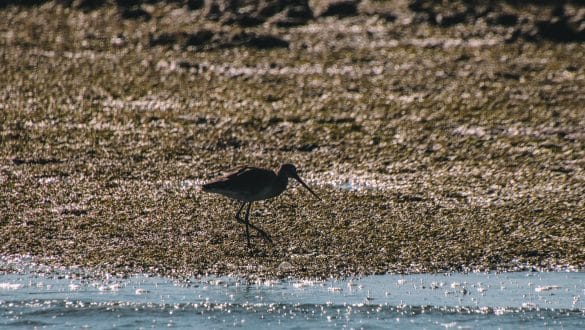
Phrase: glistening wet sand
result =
(449, 154)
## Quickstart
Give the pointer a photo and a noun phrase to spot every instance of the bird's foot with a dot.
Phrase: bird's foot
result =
(265, 236)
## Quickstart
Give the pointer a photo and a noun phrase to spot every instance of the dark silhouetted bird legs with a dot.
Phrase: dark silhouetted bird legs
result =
(246, 222)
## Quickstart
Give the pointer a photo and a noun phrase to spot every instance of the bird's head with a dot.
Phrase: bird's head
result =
(291, 171)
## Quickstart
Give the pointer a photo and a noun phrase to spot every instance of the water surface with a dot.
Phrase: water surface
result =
(476, 300)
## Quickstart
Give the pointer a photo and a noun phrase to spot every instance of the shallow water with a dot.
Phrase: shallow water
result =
(476, 300)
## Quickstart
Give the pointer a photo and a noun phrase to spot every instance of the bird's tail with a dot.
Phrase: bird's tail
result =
(213, 186)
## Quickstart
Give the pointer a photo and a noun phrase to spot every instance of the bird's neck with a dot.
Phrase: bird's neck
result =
(283, 179)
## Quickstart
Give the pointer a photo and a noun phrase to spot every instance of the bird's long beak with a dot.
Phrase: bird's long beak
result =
(305, 185)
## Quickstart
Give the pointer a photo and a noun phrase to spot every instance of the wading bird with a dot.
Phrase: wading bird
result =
(251, 184)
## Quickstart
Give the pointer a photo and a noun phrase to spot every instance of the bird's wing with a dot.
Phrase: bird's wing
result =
(250, 179)
(239, 172)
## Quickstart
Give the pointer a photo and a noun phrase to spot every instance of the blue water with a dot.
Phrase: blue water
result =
(432, 301)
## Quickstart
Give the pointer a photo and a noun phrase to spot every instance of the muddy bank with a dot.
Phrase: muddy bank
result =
(435, 148)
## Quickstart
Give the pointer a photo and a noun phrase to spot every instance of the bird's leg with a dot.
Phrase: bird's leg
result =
(260, 231)
(248, 223)
(238, 218)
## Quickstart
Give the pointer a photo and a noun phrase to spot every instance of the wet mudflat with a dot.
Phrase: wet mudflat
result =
(435, 148)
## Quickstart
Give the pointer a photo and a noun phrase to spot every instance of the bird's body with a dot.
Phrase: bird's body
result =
(250, 184)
